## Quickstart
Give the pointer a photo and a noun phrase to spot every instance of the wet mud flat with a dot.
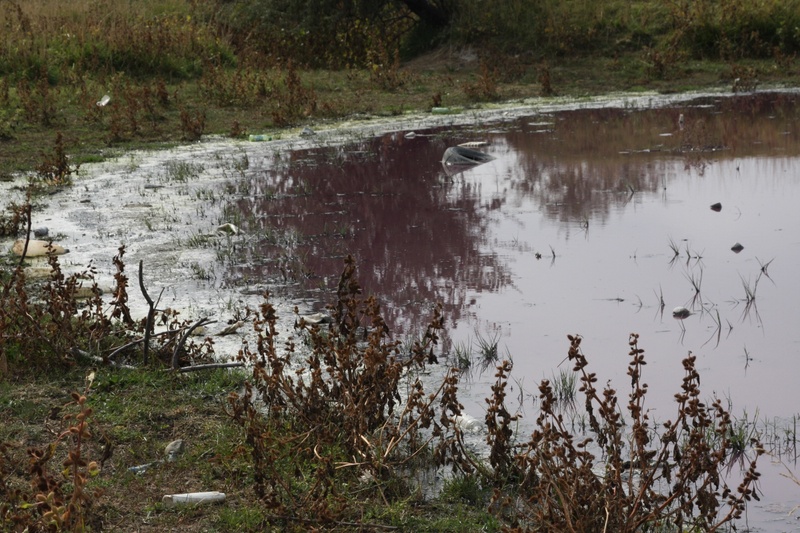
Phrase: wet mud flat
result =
(592, 218)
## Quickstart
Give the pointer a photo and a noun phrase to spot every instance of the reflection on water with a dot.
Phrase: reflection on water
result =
(591, 221)
(422, 237)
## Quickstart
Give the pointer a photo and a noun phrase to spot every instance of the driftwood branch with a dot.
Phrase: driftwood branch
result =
(179, 345)
(148, 327)
(27, 234)
(137, 341)
(209, 366)
(24, 250)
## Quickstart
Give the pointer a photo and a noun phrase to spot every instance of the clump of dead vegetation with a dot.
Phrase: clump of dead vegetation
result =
(339, 418)
(355, 419)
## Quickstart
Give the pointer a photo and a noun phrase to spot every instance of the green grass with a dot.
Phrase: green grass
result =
(142, 410)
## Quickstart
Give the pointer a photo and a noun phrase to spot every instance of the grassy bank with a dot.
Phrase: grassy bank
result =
(176, 70)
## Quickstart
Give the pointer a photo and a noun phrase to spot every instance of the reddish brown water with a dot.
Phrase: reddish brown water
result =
(569, 230)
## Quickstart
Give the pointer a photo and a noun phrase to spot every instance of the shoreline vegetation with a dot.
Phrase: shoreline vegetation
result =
(177, 70)
(92, 396)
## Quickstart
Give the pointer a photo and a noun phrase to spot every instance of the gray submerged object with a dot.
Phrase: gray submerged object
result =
(459, 155)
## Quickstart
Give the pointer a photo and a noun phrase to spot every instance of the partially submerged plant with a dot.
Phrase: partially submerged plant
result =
(353, 414)
(55, 168)
(646, 475)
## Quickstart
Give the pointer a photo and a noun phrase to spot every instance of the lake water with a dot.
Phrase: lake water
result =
(593, 219)
(571, 229)
(595, 222)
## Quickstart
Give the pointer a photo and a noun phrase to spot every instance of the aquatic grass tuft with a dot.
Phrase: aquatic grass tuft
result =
(182, 171)
(487, 347)
(461, 355)
(565, 388)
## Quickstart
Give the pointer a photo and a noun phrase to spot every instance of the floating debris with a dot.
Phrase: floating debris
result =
(318, 318)
(141, 469)
(460, 155)
(459, 158)
(468, 423)
(737, 248)
(410, 135)
(104, 101)
(227, 229)
(474, 144)
(716, 207)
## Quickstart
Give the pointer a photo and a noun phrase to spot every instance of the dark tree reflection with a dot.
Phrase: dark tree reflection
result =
(417, 235)
(421, 237)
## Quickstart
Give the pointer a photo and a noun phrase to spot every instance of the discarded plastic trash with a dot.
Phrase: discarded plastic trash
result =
(318, 318)
(461, 155)
(468, 423)
(227, 229)
(259, 138)
(104, 101)
(141, 469)
(459, 158)
(193, 497)
(474, 144)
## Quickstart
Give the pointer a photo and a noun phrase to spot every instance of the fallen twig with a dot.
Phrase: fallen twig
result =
(209, 366)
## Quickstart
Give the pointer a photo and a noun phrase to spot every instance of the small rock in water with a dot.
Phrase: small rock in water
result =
(737, 248)
(716, 207)
(40, 232)
(681, 313)
(231, 329)
(199, 331)
(174, 449)
(38, 272)
(84, 293)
